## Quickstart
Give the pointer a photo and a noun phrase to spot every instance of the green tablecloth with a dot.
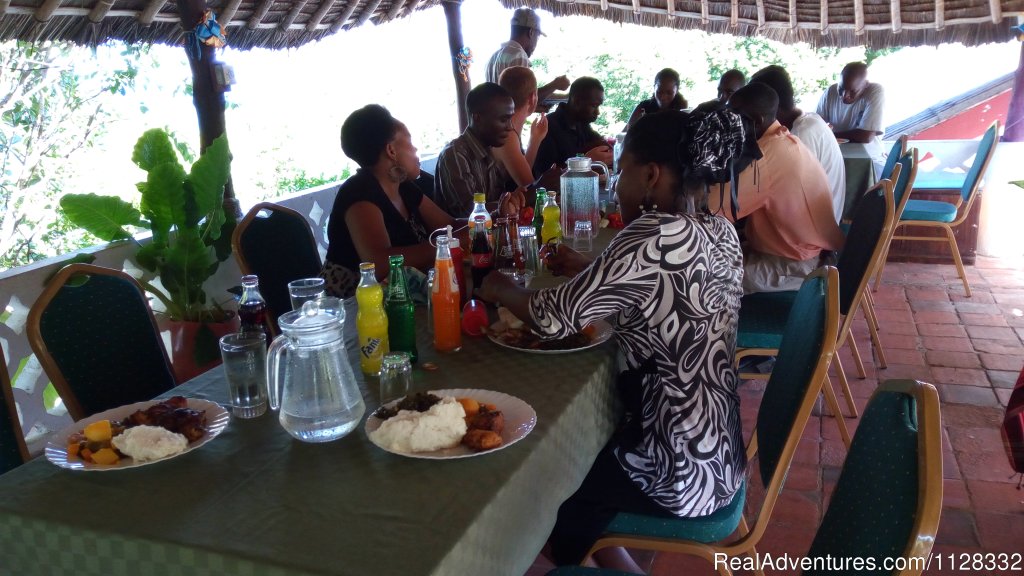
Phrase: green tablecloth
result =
(256, 502)
(860, 173)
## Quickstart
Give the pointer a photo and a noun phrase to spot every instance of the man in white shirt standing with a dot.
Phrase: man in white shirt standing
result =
(811, 129)
(517, 51)
(854, 107)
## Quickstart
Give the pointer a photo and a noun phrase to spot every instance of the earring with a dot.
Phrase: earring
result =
(643, 205)
(396, 174)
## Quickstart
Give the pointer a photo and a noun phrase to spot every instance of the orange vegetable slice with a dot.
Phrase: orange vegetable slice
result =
(105, 456)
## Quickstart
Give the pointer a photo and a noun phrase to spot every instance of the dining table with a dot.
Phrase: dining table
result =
(860, 172)
(255, 501)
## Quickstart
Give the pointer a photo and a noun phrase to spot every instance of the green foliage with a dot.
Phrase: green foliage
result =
(54, 102)
(297, 180)
(872, 54)
(184, 212)
(623, 90)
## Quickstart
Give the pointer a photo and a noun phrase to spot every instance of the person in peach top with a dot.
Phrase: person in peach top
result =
(785, 198)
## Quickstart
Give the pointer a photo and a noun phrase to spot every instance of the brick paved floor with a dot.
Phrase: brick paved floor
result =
(972, 350)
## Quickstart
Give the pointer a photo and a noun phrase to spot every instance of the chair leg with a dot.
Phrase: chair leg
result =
(957, 260)
(869, 314)
(856, 357)
(744, 530)
(833, 405)
(846, 388)
(881, 267)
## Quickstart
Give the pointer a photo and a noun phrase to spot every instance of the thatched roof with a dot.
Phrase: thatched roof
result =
(250, 23)
(874, 23)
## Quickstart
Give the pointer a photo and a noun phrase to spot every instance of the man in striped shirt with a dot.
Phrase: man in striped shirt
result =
(466, 165)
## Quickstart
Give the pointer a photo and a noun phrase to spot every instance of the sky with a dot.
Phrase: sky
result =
(286, 109)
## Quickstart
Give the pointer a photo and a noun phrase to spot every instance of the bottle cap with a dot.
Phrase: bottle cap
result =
(366, 266)
(250, 280)
(394, 259)
(479, 198)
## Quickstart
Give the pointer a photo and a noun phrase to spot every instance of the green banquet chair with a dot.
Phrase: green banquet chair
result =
(947, 215)
(13, 451)
(276, 244)
(793, 387)
(888, 499)
(95, 335)
(764, 316)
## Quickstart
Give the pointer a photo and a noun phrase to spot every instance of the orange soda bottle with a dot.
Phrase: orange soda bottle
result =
(444, 299)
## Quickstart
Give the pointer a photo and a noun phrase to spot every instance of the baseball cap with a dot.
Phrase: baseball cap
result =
(527, 18)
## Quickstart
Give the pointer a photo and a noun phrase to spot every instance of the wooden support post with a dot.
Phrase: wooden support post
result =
(1014, 130)
(208, 100)
(453, 16)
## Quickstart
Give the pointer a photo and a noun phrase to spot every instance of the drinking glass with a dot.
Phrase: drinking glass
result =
(528, 239)
(581, 238)
(395, 376)
(304, 290)
(245, 367)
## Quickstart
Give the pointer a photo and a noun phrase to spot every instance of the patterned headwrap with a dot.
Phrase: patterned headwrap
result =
(717, 141)
(717, 146)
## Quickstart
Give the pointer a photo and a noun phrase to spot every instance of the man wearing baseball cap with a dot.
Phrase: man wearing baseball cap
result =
(517, 51)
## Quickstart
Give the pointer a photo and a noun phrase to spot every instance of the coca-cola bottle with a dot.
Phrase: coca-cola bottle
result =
(480, 252)
(252, 308)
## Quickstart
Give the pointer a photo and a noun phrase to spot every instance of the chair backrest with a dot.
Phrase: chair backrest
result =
(903, 183)
(95, 336)
(805, 353)
(13, 452)
(276, 244)
(899, 148)
(888, 499)
(865, 243)
(986, 149)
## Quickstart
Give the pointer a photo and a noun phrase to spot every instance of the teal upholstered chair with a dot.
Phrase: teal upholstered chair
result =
(276, 244)
(13, 452)
(763, 315)
(888, 499)
(95, 336)
(946, 215)
(808, 343)
(903, 184)
(898, 150)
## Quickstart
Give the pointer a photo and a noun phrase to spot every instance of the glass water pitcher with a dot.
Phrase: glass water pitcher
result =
(580, 194)
(309, 377)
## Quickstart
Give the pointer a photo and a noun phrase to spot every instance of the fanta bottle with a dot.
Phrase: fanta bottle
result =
(371, 320)
(551, 230)
(444, 299)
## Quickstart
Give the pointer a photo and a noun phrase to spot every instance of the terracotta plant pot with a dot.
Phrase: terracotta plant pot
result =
(194, 345)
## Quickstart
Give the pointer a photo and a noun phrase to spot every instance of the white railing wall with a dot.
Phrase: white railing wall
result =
(19, 288)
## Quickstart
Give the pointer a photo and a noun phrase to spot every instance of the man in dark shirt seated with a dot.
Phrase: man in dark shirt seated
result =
(466, 165)
(569, 131)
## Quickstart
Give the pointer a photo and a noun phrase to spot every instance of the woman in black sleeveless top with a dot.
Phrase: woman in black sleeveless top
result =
(378, 211)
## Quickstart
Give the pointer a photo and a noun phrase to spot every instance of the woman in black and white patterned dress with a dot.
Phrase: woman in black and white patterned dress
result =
(672, 278)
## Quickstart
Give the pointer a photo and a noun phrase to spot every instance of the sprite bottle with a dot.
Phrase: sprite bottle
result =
(400, 310)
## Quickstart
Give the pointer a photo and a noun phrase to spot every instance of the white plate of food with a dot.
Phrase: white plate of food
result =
(524, 340)
(216, 419)
(519, 419)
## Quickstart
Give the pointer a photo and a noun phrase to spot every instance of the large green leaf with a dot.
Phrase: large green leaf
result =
(186, 266)
(163, 201)
(153, 149)
(103, 216)
(209, 175)
(150, 256)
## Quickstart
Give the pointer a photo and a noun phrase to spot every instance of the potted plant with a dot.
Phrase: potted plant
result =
(184, 212)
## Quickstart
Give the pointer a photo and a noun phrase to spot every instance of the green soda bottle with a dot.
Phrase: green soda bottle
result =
(538, 211)
(400, 309)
